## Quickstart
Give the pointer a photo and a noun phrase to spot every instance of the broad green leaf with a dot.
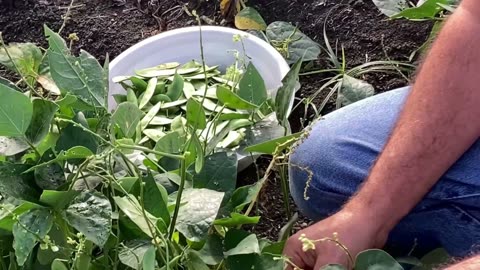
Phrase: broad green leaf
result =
(58, 265)
(212, 251)
(427, 10)
(28, 230)
(197, 213)
(16, 111)
(196, 114)
(376, 259)
(249, 19)
(26, 57)
(353, 90)
(243, 196)
(66, 101)
(149, 116)
(219, 173)
(390, 7)
(57, 199)
(149, 259)
(132, 253)
(274, 146)
(127, 116)
(43, 113)
(433, 259)
(333, 267)
(50, 176)
(214, 107)
(299, 46)
(252, 86)
(59, 238)
(91, 214)
(232, 100)
(18, 184)
(236, 219)
(153, 200)
(10, 146)
(218, 137)
(239, 242)
(175, 89)
(148, 94)
(286, 93)
(231, 116)
(194, 261)
(133, 210)
(73, 136)
(82, 76)
(170, 143)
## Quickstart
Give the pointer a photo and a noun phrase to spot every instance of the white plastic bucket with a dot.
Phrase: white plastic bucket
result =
(183, 45)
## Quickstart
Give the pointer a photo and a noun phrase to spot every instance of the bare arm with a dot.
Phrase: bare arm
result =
(440, 121)
(470, 264)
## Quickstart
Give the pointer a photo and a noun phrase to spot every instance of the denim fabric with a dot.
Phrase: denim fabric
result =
(340, 151)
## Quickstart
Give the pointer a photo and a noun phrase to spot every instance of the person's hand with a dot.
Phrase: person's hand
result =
(354, 232)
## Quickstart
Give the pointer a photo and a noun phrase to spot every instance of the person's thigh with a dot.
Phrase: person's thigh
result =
(328, 167)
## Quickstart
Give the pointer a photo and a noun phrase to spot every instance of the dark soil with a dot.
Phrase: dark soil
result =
(105, 26)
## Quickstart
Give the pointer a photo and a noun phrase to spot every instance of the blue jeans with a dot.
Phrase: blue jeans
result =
(338, 155)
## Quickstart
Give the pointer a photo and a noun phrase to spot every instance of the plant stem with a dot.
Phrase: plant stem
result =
(183, 176)
(262, 183)
(66, 17)
(284, 182)
(147, 150)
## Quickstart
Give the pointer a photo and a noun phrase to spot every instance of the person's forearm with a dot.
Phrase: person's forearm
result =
(470, 264)
(439, 122)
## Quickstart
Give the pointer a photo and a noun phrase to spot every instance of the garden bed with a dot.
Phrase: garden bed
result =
(104, 27)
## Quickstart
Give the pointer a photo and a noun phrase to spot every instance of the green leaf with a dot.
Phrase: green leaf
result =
(74, 153)
(299, 46)
(243, 196)
(232, 100)
(212, 251)
(236, 219)
(249, 19)
(194, 260)
(427, 10)
(139, 84)
(15, 112)
(219, 173)
(82, 76)
(154, 201)
(353, 90)
(57, 199)
(376, 259)
(10, 146)
(58, 265)
(73, 136)
(170, 143)
(390, 7)
(43, 113)
(175, 89)
(18, 184)
(433, 259)
(196, 114)
(26, 57)
(28, 230)
(148, 94)
(286, 230)
(275, 145)
(252, 86)
(52, 175)
(133, 252)
(238, 242)
(149, 259)
(133, 210)
(91, 214)
(198, 212)
(127, 116)
(286, 93)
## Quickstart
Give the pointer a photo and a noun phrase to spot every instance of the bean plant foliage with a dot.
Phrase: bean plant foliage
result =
(144, 186)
